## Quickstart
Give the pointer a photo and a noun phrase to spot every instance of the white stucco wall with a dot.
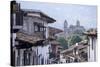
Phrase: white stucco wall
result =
(44, 52)
(14, 18)
(14, 37)
(62, 60)
(46, 25)
(92, 52)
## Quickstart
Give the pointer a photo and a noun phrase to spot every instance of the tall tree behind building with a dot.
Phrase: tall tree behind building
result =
(63, 42)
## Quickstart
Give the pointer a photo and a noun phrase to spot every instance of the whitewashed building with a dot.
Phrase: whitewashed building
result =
(92, 42)
(29, 39)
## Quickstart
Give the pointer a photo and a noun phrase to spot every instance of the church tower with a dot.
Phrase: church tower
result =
(78, 23)
(65, 26)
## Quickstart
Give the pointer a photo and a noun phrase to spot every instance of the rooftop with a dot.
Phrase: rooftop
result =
(91, 32)
(50, 19)
(80, 45)
(28, 38)
(54, 30)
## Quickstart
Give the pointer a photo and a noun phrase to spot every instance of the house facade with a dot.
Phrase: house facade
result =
(16, 25)
(29, 39)
(92, 42)
(55, 47)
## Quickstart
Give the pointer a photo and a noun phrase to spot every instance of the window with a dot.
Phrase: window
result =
(38, 27)
(35, 28)
(19, 18)
(41, 28)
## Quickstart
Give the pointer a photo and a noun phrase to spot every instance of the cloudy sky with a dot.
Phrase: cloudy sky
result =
(87, 15)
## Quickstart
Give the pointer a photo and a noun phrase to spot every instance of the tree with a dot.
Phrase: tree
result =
(63, 42)
(74, 39)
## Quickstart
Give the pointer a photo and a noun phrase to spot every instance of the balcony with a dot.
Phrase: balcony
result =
(31, 38)
(17, 26)
(40, 35)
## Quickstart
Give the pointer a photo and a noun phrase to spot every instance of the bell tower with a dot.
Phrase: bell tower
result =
(78, 23)
(65, 26)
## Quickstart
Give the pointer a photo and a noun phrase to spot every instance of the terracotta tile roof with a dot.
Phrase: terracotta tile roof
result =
(79, 46)
(91, 32)
(54, 30)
